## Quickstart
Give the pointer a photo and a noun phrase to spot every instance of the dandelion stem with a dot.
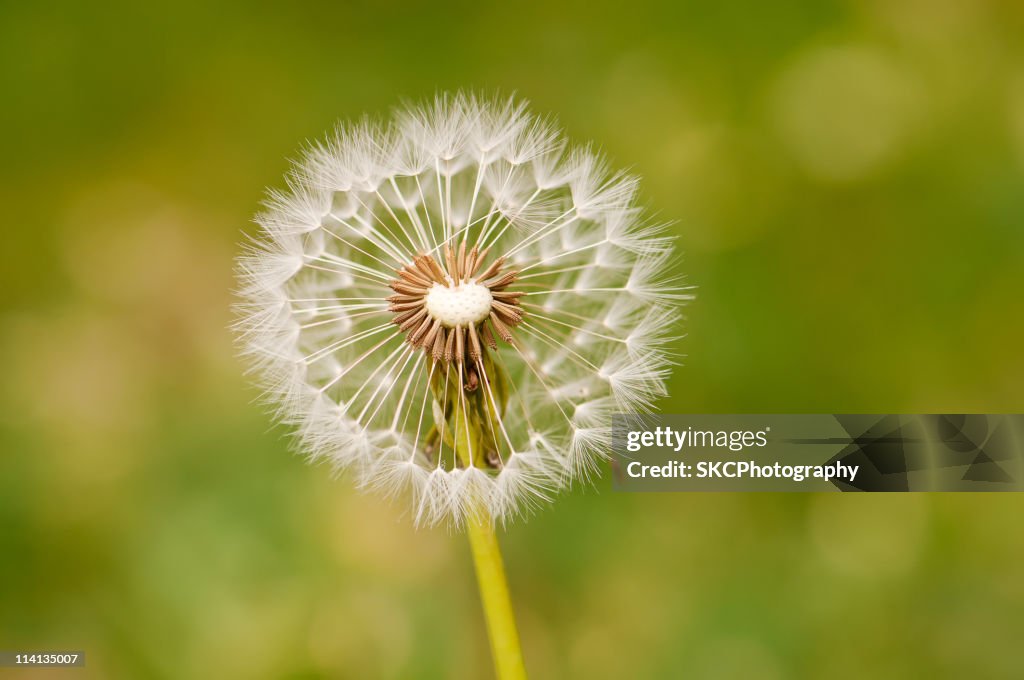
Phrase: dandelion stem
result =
(490, 568)
(501, 622)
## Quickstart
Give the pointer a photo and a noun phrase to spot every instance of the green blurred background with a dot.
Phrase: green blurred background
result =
(848, 184)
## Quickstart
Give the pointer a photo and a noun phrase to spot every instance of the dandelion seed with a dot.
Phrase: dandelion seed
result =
(463, 263)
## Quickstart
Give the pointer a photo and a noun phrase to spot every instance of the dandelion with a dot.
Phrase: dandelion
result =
(452, 306)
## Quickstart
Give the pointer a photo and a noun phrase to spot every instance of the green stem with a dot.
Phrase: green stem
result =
(490, 569)
(501, 622)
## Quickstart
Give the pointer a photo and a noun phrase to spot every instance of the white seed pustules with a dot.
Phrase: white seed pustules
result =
(459, 304)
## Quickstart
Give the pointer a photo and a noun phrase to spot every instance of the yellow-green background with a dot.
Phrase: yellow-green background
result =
(848, 184)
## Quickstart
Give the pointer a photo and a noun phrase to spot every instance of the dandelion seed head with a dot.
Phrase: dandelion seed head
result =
(461, 262)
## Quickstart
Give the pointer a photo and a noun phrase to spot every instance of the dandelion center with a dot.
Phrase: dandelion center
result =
(454, 312)
(461, 305)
